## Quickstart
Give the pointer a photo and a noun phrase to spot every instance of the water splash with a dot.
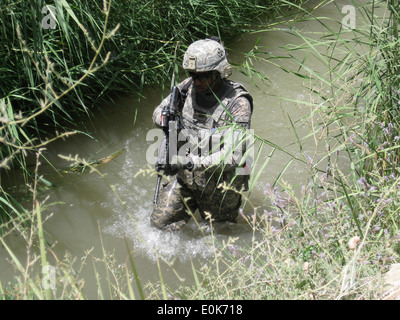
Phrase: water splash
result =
(132, 219)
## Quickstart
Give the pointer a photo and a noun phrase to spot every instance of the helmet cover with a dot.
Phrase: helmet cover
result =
(207, 55)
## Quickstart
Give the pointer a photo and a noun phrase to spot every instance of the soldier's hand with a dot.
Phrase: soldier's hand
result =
(189, 165)
(180, 163)
(171, 170)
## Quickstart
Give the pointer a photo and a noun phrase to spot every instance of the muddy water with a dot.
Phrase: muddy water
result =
(89, 210)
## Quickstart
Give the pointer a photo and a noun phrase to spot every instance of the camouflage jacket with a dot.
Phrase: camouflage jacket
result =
(213, 124)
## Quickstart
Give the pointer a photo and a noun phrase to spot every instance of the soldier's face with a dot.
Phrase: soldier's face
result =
(202, 81)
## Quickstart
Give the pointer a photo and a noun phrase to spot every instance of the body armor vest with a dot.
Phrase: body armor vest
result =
(197, 117)
(204, 121)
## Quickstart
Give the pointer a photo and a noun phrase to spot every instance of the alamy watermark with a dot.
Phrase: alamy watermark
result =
(349, 20)
(49, 277)
(49, 20)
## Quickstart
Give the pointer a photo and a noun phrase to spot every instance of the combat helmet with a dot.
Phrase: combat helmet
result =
(207, 55)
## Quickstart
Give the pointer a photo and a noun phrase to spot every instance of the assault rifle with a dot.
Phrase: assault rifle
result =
(169, 121)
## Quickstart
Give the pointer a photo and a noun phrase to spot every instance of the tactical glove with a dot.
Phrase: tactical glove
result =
(178, 163)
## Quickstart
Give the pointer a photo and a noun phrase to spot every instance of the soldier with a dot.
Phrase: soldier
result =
(211, 103)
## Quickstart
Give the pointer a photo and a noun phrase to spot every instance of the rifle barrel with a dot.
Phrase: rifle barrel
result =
(155, 200)
(168, 113)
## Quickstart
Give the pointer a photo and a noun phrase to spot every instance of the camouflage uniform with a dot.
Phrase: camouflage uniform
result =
(202, 188)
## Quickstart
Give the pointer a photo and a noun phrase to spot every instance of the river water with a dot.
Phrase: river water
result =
(91, 211)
